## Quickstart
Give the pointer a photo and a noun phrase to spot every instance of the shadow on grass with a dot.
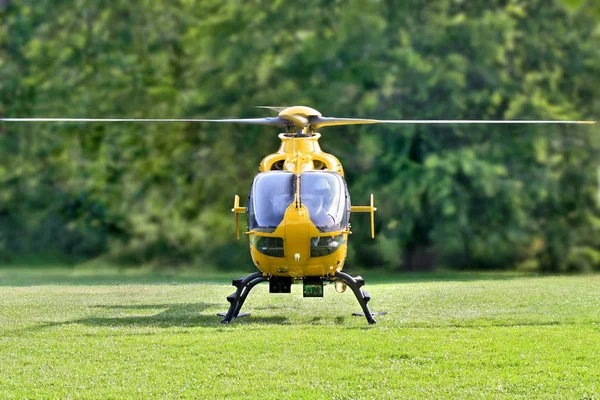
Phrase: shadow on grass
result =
(184, 315)
(175, 315)
(163, 320)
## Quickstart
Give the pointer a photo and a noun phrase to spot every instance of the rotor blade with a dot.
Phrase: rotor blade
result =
(274, 108)
(276, 121)
(484, 121)
(317, 121)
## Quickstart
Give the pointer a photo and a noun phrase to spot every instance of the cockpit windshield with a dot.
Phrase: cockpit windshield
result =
(270, 196)
(325, 196)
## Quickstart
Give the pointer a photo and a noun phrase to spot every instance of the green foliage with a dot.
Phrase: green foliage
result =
(458, 196)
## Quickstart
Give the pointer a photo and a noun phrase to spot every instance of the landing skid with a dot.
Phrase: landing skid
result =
(362, 296)
(240, 315)
(244, 286)
(358, 314)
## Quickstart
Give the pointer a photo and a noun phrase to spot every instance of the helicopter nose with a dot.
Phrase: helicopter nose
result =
(297, 242)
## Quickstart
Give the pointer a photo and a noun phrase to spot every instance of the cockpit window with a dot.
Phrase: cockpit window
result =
(270, 196)
(325, 196)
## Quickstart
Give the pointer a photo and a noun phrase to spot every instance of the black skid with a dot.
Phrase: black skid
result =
(245, 285)
(362, 296)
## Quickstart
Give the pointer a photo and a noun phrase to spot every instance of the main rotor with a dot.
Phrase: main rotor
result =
(298, 121)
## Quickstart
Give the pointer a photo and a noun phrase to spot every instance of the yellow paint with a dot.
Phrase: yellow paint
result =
(370, 209)
(297, 155)
(296, 229)
(301, 154)
(301, 111)
(236, 210)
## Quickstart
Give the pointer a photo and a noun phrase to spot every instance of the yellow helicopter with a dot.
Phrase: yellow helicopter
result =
(299, 207)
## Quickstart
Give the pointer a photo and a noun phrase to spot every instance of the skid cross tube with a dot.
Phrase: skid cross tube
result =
(362, 296)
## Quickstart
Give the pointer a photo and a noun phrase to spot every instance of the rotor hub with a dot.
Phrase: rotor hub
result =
(299, 118)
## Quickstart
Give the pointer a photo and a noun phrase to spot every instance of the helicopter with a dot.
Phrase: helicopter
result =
(298, 208)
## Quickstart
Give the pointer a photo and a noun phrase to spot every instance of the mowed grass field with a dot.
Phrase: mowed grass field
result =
(65, 335)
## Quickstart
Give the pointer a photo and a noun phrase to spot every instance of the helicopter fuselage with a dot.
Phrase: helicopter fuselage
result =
(298, 211)
(300, 257)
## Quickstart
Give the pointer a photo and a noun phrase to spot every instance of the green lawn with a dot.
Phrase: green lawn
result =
(130, 335)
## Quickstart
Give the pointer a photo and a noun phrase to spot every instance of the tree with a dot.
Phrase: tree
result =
(465, 197)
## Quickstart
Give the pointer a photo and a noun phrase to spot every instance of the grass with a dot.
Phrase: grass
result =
(68, 334)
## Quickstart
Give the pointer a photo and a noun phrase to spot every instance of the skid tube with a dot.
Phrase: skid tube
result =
(244, 286)
(236, 299)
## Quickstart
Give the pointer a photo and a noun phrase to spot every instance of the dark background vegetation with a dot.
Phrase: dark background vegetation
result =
(463, 197)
